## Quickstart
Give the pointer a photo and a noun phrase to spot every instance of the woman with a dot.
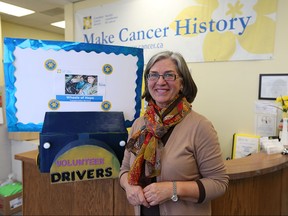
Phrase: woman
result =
(90, 87)
(181, 175)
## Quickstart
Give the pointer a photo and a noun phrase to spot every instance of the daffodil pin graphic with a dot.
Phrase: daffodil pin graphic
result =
(87, 22)
(258, 37)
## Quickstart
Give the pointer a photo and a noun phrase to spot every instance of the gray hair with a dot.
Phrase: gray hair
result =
(189, 87)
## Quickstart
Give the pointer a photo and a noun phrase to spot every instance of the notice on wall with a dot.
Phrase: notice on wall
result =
(265, 119)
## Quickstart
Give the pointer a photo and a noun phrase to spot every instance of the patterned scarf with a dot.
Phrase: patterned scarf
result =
(145, 142)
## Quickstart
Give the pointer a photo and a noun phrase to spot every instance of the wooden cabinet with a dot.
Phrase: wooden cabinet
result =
(95, 197)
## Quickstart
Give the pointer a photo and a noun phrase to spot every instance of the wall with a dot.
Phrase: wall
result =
(7, 162)
(228, 90)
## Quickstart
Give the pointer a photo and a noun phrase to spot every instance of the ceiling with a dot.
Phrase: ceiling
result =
(46, 12)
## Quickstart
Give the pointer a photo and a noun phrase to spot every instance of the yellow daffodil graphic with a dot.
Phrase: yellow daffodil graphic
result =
(221, 36)
(50, 64)
(106, 105)
(54, 104)
(264, 25)
(107, 69)
(87, 22)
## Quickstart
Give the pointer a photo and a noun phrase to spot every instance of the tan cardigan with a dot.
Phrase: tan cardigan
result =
(191, 153)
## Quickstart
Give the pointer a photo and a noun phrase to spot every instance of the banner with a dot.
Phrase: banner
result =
(200, 30)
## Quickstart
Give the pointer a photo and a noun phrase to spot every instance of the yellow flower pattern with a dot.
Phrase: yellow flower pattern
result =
(283, 101)
(221, 46)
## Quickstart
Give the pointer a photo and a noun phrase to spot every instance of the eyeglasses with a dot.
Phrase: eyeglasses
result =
(166, 76)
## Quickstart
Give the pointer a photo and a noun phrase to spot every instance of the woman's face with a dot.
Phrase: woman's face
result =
(90, 79)
(164, 92)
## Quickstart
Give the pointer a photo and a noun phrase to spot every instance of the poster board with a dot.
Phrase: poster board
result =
(42, 75)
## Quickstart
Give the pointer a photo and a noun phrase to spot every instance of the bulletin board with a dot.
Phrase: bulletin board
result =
(42, 75)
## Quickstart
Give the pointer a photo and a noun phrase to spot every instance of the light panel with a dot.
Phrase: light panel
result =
(60, 24)
(14, 10)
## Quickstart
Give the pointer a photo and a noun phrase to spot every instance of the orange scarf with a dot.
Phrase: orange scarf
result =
(145, 142)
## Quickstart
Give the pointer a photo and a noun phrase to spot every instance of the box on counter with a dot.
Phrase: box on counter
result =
(11, 204)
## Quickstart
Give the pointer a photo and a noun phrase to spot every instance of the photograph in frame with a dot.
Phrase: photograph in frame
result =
(272, 86)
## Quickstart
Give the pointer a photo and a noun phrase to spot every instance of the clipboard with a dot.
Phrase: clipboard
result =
(245, 145)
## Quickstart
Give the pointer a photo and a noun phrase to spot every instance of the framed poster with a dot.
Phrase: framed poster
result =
(272, 85)
(43, 76)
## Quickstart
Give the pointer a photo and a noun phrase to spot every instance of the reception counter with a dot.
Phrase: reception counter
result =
(258, 186)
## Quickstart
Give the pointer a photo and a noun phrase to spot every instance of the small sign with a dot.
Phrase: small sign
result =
(85, 162)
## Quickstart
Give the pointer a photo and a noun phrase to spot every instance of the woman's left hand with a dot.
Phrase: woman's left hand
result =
(159, 192)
